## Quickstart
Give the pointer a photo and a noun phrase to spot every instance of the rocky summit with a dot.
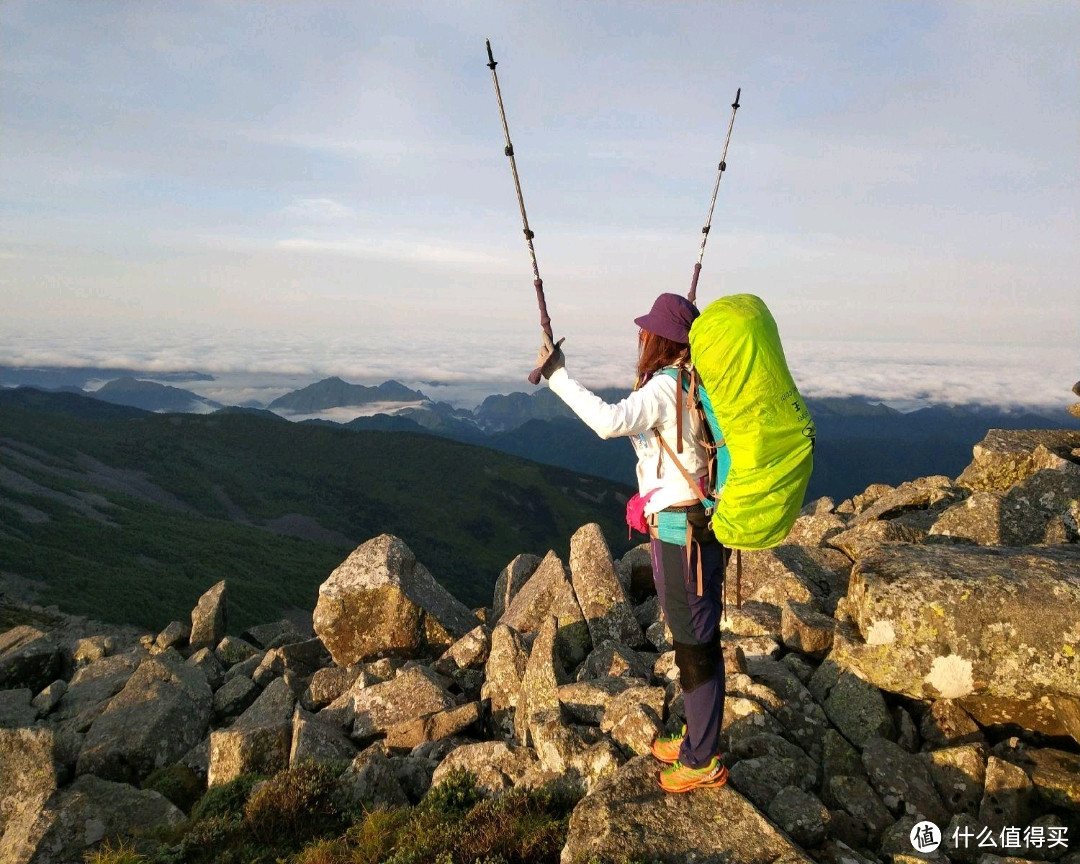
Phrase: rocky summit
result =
(909, 655)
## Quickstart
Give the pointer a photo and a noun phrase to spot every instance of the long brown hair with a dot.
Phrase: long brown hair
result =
(656, 352)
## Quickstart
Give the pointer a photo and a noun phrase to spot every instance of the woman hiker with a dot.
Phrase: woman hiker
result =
(689, 577)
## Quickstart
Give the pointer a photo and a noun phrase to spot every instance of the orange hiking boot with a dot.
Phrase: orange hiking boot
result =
(680, 778)
(666, 747)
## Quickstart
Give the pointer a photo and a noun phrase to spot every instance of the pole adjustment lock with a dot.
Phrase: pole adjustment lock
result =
(529, 234)
(509, 149)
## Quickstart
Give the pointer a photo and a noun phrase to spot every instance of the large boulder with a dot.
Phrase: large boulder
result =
(209, 618)
(28, 771)
(1041, 508)
(627, 812)
(998, 629)
(29, 657)
(497, 765)
(75, 820)
(550, 593)
(1007, 456)
(1055, 774)
(513, 576)
(544, 673)
(414, 693)
(935, 492)
(802, 574)
(260, 740)
(317, 740)
(503, 673)
(603, 601)
(586, 701)
(92, 686)
(380, 601)
(162, 712)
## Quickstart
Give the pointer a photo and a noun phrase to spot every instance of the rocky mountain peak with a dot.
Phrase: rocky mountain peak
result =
(911, 654)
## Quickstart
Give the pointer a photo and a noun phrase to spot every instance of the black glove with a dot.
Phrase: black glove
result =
(550, 357)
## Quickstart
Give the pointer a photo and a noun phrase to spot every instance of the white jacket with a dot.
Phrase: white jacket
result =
(636, 416)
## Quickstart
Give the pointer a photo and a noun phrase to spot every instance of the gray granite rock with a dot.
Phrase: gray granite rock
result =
(903, 781)
(316, 741)
(855, 796)
(1008, 796)
(209, 618)
(586, 701)
(503, 672)
(414, 693)
(911, 635)
(372, 780)
(29, 658)
(628, 812)
(549, 593)
(74, 821)
(382, 601)
(603, 601)
(544, 674)
(234, 697)
(858, 710)
(161, 713)
(497, 765)
(259, 740)
(806, 630)
(513, 576)
(1005, 457)
(959, 774)
(175, 635)
(800, 815)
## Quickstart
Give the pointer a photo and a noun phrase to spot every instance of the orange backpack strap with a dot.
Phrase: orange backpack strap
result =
(690, 481)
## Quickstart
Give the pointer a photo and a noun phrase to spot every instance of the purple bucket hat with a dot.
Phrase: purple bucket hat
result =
(671, 316)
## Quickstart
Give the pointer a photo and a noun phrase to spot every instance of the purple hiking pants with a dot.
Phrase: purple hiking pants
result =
(694, 623)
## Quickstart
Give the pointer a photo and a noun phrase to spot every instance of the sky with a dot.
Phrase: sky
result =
(320, 188)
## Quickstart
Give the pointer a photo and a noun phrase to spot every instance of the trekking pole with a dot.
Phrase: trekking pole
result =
(692, 296)
(545, 320)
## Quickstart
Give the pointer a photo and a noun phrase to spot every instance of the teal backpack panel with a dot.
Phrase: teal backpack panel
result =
(735, 347)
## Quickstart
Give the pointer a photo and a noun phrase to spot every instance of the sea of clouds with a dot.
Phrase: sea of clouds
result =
(255, 367)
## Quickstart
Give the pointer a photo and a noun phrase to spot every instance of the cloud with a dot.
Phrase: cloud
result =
(394, 249)
(262, 365)
(320, 210)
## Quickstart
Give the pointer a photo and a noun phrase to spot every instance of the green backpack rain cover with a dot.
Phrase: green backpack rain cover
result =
(735, 347)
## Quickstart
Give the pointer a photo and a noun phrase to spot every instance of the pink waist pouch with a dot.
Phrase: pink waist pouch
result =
(635, 513)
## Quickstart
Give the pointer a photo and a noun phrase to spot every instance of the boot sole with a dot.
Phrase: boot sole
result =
(666, 760)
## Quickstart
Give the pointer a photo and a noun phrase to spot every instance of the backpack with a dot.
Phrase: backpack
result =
(768, 432)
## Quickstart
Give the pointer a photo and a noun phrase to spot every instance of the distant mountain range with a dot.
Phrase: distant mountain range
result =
(335, 393)
(129, 516)
(58, 377)
(859, 442)
(151, 396)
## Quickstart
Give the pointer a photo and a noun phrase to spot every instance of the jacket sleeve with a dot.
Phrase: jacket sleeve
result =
(641, 411)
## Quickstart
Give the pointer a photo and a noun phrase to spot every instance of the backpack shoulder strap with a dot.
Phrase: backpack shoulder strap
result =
(690, 481)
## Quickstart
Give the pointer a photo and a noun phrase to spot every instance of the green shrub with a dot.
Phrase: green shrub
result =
(455, 796)
(178, 783)
(211, 840)
(374, 837)
(227, 800)
(294, 805)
